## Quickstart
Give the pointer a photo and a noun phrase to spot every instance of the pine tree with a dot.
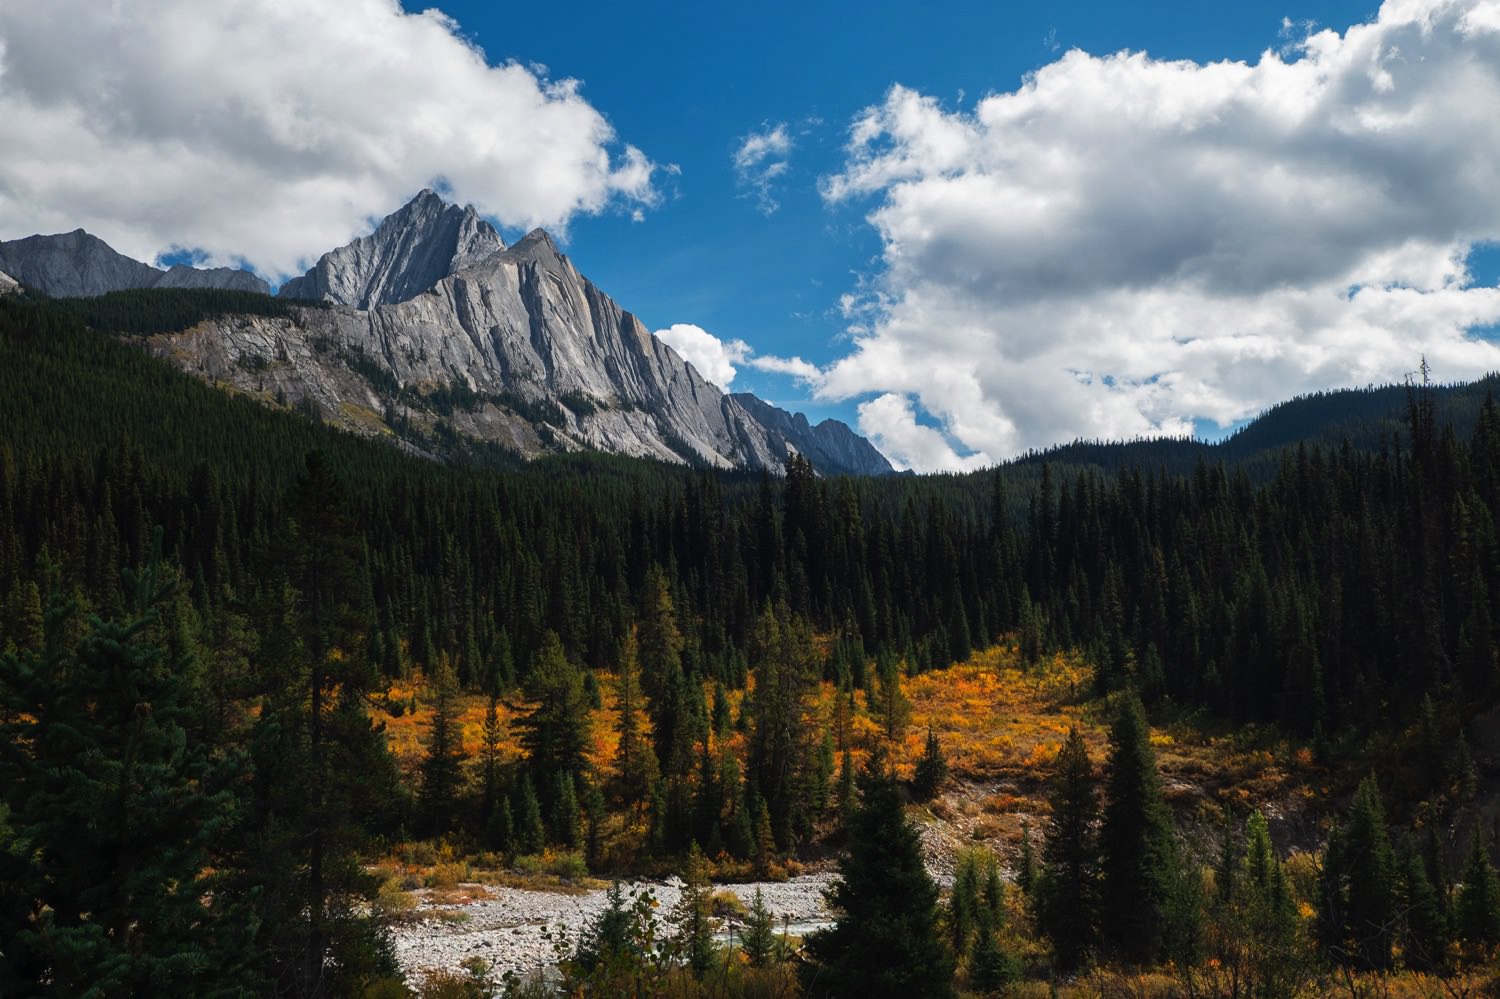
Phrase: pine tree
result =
(554, 733)
(112, 813)
(846, 792)
(931, 769)
(565, 824)
(1136, 843)
(1424, 930)
(492, 734)
(1372, 878)
(895, 709)
(885, 944)
(758, 940)
(1478, 910)
(531, 835)
(1026, 871)
(500, 831)
(693, 917)
(1269, 925)
(638, 768)
(1067, 892)
(442, 766)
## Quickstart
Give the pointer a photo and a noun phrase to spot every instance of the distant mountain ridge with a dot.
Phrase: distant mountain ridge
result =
(1367, 418)
(435, 332)
(78, 265)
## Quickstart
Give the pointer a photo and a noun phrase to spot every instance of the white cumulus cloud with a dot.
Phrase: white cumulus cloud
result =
(713, 358)
(719, 360)
(760, 160)
(1124, 245)
(268, 131)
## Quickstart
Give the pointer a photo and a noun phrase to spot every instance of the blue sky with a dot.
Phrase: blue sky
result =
(687, 82)
(972, 230)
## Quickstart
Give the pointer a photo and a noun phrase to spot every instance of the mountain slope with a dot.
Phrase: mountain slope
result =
(469, 342)
(76, 265)
(410, 251)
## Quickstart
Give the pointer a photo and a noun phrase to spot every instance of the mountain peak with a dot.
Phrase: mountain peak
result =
(411, 250)
(535, 245)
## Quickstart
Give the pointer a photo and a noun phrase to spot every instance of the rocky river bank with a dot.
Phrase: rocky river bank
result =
(521, 929)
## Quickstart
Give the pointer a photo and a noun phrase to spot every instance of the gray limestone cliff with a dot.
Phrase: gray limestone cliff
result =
(506, 346)
(410, 251)
(433, 333)
(78, 265)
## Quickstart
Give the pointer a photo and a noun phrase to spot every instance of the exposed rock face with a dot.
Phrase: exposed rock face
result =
(831, 446)
(76, 265)
(8, 284)
(536, 357)
(411, 250)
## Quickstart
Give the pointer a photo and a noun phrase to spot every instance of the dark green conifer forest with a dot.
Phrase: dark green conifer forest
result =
(204, 600)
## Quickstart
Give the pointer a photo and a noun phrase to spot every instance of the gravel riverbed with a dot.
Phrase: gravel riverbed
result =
(516, 929)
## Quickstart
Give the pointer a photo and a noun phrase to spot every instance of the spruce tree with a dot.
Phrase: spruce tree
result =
(1067, 892)
(1478, 910)
(1135, 840)
(1424, 930)
(112, 813)
(886, 943)
(636, 763)
(531, 835)
(758, 940)
(441, 772)
(1372, 879)
(566, 829)
(931, 769)
(554, 732)
(1026, 869)
(693, 917)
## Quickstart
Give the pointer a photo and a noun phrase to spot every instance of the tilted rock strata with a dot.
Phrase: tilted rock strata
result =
(410, 251)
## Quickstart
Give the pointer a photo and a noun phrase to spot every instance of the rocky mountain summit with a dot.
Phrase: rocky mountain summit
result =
(433, 333)
(78, 265)
(410, 251)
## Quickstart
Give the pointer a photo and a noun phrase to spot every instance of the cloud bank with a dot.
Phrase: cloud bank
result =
(1124, 245)
(268, 132)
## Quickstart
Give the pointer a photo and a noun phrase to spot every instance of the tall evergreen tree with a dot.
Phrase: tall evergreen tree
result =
(112, 814)
(1067, 893)
(1372, 879)
(555, 732)
(635, 760)
(1136, 841)
(886, 943)
(442, 765)
(758, 938)
(1478, 909)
